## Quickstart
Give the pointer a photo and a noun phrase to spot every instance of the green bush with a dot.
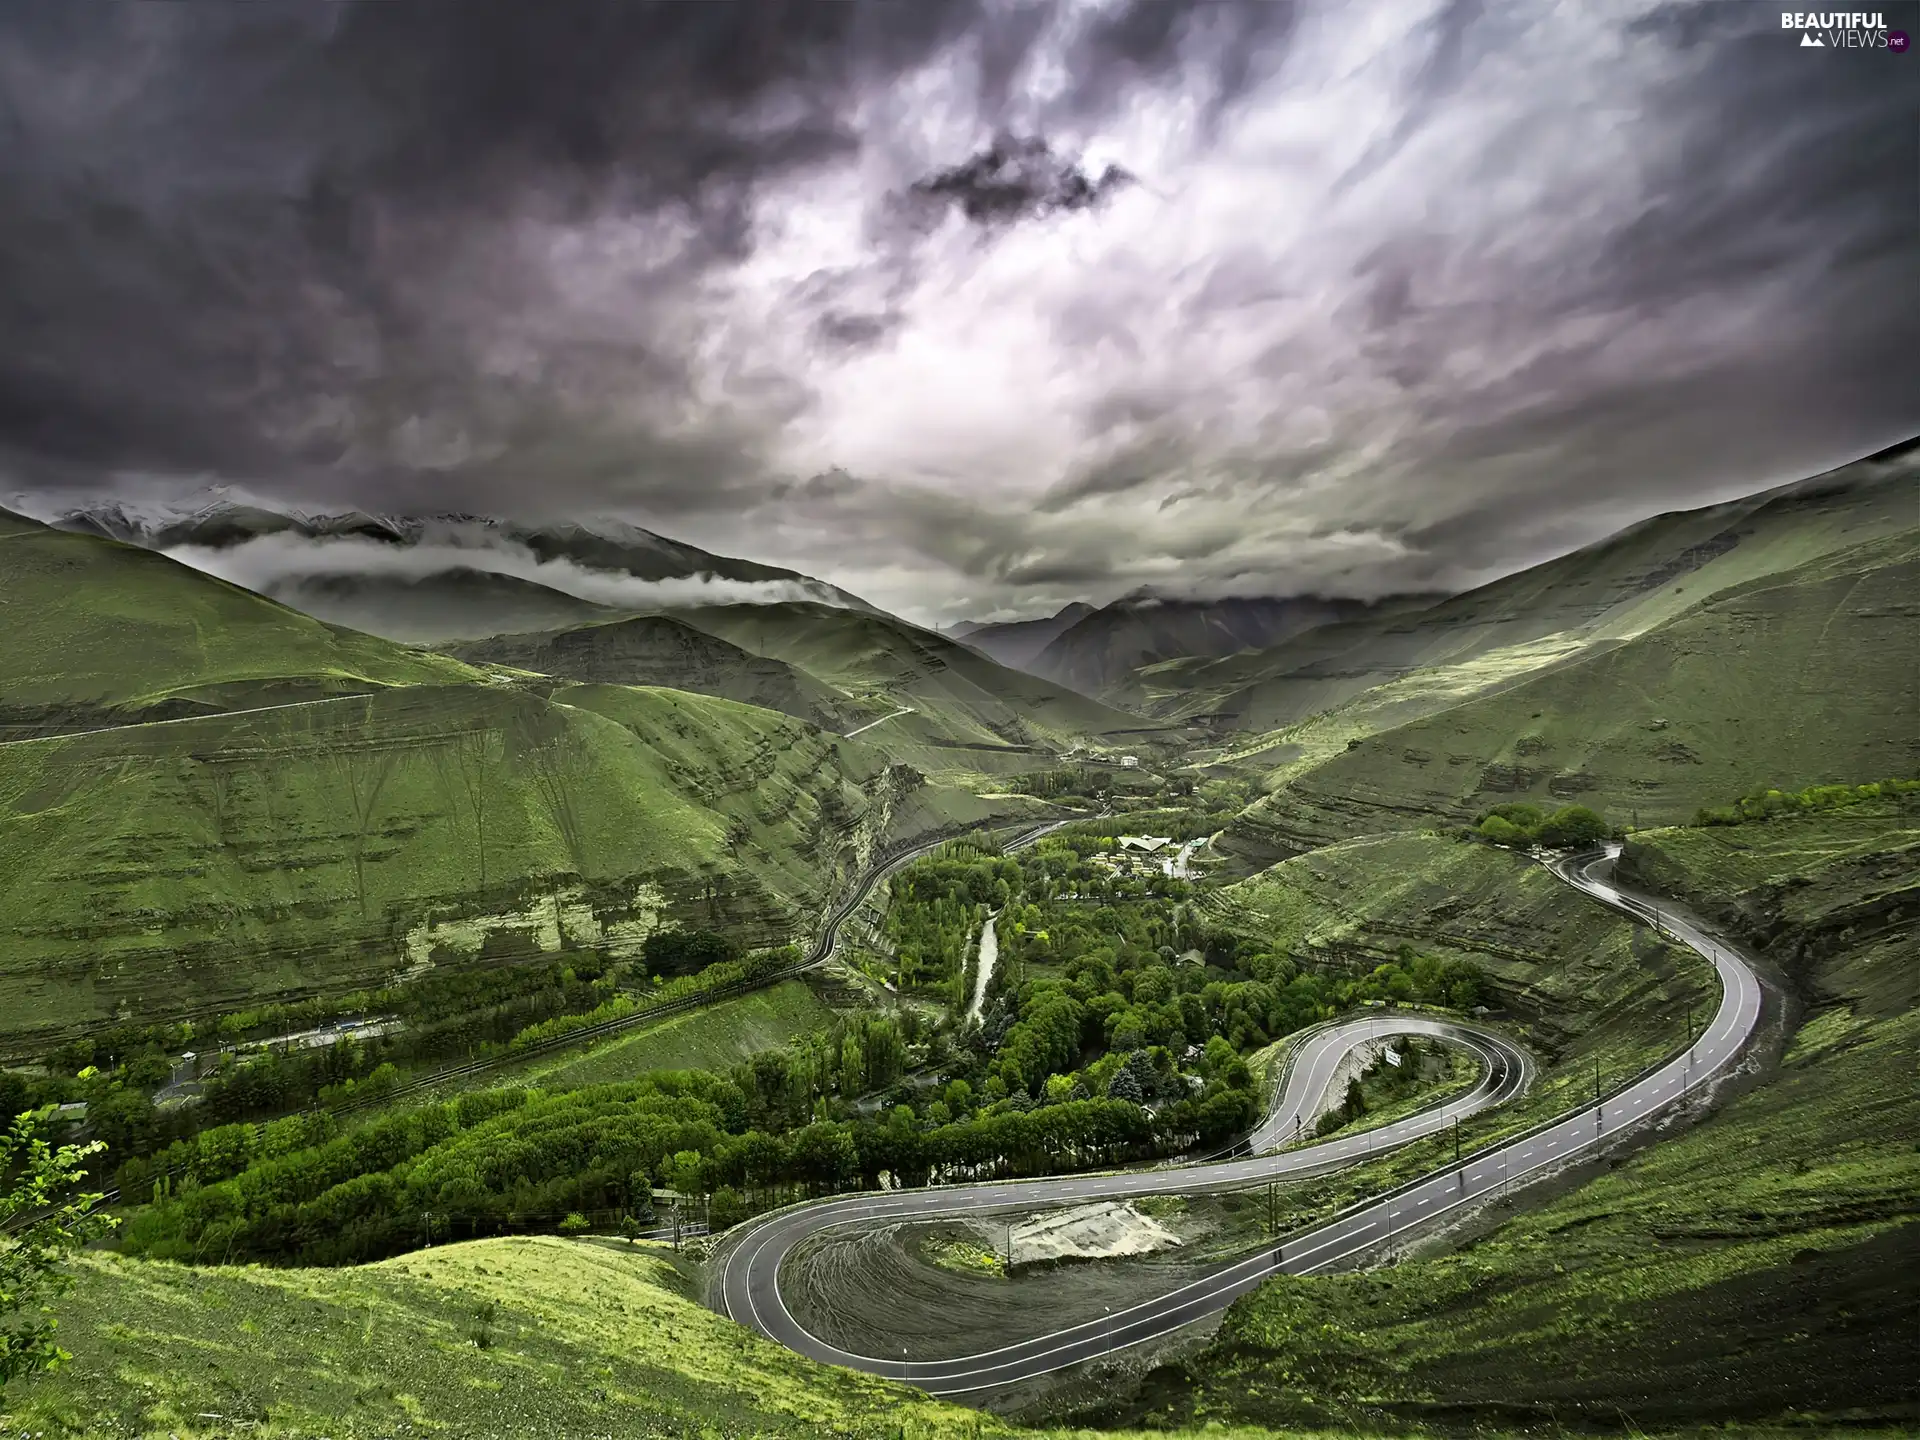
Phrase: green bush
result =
(1503, 832)
(1518, 826)
(1574, 828)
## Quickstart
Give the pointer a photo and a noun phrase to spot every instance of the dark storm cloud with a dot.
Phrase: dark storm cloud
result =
(1016, 178)
(1790, 189)
(1405, 292)
(266, 237)
(1219, 47)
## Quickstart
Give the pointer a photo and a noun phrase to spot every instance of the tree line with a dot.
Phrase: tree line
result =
(1763, 805)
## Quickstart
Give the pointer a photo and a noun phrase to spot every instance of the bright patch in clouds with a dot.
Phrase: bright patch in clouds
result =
(968, 307)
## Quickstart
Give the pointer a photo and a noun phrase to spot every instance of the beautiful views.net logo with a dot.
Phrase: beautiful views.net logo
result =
(1842, 30)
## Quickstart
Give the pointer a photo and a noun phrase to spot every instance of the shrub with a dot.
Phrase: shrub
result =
(1503, 832)
(33, 1258)
(1574, 828)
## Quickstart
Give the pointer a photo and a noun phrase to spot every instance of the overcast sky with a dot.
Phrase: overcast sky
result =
(970, 308)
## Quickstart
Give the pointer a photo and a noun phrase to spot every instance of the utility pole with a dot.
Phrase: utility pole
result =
(1460, 1170)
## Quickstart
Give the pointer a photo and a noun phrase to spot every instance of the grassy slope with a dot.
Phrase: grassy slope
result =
(588, 1339)
(1812, 674)
(1757, 1266)
(98, 631)
(960, 698)
(447, 605)
(1622, 586)
(660, 650)
(203, 864)
(154, 870)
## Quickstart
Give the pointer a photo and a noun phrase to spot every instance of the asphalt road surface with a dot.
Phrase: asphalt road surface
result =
(749, 1288)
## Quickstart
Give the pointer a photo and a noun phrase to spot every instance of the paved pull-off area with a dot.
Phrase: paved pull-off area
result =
(749, 1281)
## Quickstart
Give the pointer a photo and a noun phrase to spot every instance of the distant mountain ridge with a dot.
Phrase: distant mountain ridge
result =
(1099, 653)
(424, 578)
(1018, 642)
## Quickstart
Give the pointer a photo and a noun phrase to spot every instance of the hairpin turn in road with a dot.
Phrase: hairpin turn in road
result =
(749, 1275)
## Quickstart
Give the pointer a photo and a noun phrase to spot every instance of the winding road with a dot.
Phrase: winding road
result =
(748, 1280)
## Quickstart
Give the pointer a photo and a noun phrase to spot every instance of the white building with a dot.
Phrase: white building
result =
(1129, 762)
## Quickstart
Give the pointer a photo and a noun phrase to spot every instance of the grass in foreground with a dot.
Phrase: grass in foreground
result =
(488, 1340)
(518, 1337)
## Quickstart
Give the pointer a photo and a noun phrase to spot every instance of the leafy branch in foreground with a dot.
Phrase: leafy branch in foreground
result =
(32, 1258)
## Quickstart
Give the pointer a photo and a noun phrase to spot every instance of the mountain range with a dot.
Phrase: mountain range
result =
(425, 579)
(212, 803)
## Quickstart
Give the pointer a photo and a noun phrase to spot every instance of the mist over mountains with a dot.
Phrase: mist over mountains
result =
(438, 577)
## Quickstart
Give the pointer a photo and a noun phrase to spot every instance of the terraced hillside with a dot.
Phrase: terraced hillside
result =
(1600, 595)
(162, 870)
(1758, 1269)
(1813, 672)
(661, 650)
(98, 633)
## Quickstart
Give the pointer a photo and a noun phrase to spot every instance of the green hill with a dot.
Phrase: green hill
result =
(962, 702)
(661, 650)
(1605, 593)
(513, 1339)
(156, 871)
(324, 810)
(453, 604)
(1811, 673)
(580, 1338)
(96, 632)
